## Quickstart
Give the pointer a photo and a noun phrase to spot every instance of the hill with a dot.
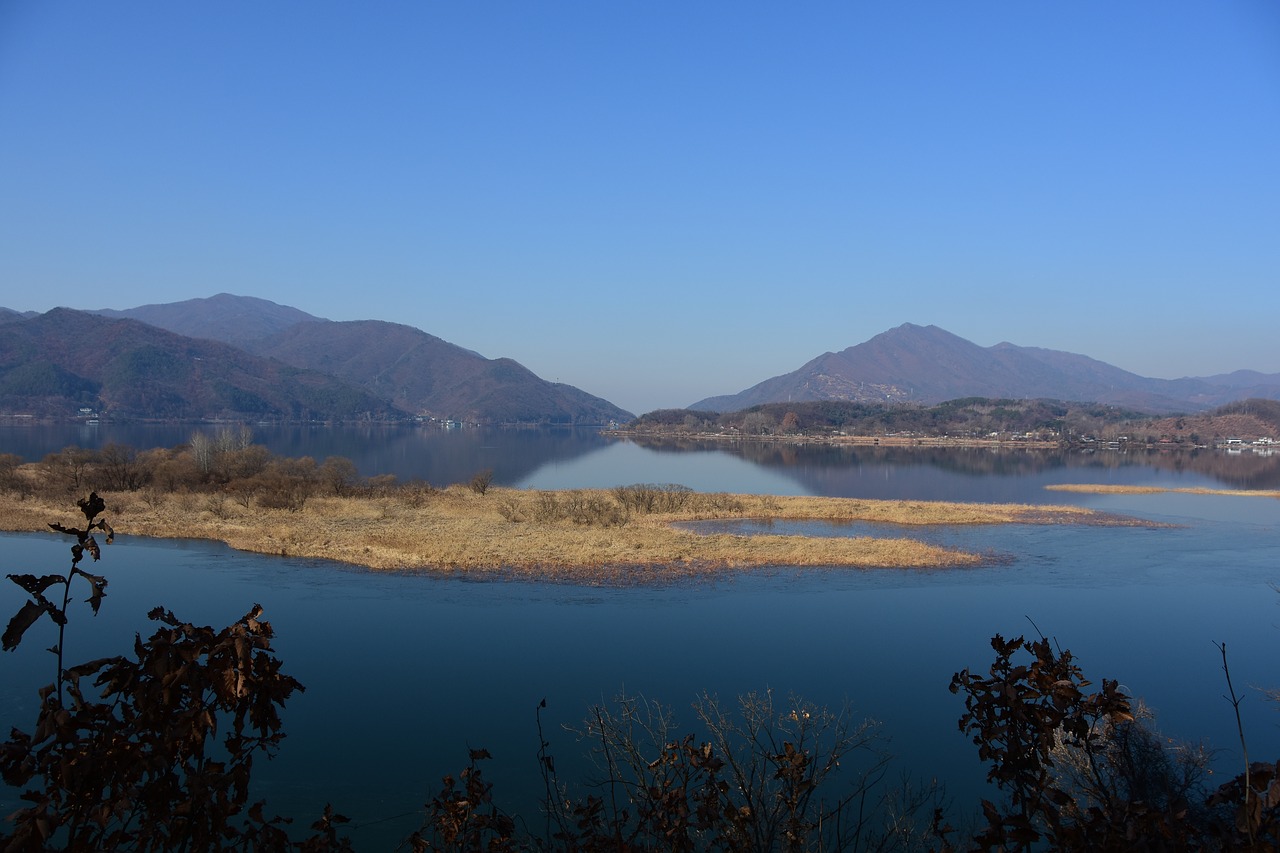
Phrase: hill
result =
(8, 315)
(926, 364)
(408, 371)
(420, 373)
(971, 417)
(1246, 419)
(62, 360)
(224, 317)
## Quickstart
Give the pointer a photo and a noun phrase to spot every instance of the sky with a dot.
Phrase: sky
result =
(661, 201)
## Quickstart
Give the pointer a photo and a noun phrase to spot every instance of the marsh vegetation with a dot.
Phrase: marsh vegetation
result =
(227, 489)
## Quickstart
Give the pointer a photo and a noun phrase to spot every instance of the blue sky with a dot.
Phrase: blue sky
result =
(661, 201)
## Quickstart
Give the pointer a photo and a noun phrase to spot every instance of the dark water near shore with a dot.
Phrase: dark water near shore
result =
(404, 672)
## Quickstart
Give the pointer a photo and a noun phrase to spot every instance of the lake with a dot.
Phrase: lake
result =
(405, 671)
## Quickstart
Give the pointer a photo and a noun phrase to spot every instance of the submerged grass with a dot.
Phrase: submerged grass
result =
(581, 534)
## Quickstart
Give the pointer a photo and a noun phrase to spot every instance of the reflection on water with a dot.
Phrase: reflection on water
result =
(404, 671)
(847, 470)
(569, 458)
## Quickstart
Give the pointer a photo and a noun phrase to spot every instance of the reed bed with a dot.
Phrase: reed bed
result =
(580, 533)
(1099, 489)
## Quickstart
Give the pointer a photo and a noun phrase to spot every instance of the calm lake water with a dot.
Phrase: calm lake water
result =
(404, 671)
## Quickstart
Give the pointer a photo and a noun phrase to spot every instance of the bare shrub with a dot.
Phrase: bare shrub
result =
(243, 462)
(590, 509)
(215, 504)
(287, 484)
(719, 503)
(546, 508)
(68, 469)
(11, 479)
(339, 476)
(243, 491)
(118, 469)
(186, 501)
(646, 498)
(765, 775)
(380, 485)
(510, 510)
(175, 469)
(481, 481)
(416, 493)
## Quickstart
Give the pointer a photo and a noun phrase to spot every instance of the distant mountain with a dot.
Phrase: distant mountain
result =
(227, 318)
(926, 364)
(8, 315)
(56, 362)
(408, 371)
(420, 373)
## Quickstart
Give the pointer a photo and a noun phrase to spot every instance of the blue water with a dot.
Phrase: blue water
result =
(404, 671)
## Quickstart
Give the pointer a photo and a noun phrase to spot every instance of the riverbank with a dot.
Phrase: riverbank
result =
(580, 534)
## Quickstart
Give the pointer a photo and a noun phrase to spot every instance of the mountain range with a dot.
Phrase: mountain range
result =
(242, 357)
(926, 364)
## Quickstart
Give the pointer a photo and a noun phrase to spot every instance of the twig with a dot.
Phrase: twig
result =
(1235, 705)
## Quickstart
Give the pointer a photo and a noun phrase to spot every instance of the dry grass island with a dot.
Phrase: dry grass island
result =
(1101, 489)
(630, 533)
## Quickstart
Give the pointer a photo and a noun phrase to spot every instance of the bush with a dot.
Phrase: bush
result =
(287, 484)
(647, 498)
(11, 479)
(161, 757)
(480, 482)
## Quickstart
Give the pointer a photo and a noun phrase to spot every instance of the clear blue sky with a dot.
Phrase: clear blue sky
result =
(661, 201)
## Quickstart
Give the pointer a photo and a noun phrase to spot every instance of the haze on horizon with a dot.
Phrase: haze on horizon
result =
(660, 202)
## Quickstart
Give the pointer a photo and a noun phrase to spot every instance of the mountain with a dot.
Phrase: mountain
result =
(926, 364)
(408, 371)
(8, 315)
(224, 317)
(59, 361)
(420, 373)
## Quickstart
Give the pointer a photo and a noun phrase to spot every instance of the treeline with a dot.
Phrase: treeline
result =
(226, 462)
(972, 417)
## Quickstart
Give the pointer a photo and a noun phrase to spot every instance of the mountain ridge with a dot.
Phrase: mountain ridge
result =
(222, 317)
(64, 359)
(419, 372)
(927, 364)
(409, 372)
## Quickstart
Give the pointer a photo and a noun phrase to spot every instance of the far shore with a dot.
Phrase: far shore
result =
(826, 438)
(579, 535)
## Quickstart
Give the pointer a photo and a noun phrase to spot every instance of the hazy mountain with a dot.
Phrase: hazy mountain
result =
(410, 370)
(926, 364)
(420, 373)
(227, 318)
(8, 315)
(407, 369)
(56, 362)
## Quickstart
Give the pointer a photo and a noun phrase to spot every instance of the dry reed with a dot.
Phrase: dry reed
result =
(1093, 489)
(459, 530)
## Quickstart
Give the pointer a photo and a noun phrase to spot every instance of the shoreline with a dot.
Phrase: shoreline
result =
(854, 440)
(513, 532)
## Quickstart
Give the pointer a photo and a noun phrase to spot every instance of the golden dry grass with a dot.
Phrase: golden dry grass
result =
(459, 530)
(1086, 488)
